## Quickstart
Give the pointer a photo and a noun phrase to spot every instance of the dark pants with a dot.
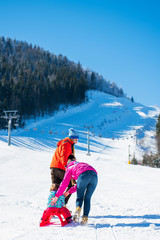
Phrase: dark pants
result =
(86, 184)
(57, 176)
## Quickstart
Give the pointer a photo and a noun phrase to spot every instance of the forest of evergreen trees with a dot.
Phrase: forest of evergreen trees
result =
(35, 82)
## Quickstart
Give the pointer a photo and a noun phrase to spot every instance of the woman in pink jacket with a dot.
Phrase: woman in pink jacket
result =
(87, 179)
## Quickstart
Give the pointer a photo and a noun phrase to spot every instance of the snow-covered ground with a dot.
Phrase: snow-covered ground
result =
(125, 205)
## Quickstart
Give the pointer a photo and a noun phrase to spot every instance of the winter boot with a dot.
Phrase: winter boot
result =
(84, 220)
(76, 215)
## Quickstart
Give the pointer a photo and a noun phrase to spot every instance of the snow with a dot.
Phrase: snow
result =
(125, 205)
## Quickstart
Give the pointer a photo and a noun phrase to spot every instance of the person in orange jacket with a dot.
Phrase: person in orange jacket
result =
(64, 149)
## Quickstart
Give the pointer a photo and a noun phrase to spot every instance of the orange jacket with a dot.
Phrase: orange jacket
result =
(65, 147)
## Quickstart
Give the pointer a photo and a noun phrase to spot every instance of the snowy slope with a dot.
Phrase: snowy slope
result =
(109, 117)
(125, 204)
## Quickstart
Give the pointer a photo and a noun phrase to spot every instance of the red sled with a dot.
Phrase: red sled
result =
(62, 213)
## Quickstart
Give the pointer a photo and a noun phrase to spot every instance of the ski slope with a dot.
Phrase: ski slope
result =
(125, 205)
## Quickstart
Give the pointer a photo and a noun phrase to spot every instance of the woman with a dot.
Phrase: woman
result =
(87, 179)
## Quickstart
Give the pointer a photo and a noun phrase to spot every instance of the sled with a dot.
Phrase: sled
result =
(62, 213)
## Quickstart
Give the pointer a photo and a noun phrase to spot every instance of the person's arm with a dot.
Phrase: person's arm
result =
(73, 189)
(64, 184)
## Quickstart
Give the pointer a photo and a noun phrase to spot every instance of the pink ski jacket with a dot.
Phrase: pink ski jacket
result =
(74, 169)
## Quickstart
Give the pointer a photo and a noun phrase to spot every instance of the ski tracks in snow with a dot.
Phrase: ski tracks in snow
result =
(104, 231)
(114, 233)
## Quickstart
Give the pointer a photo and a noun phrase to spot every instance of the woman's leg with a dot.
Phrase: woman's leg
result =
(93, 180)
(82, 183)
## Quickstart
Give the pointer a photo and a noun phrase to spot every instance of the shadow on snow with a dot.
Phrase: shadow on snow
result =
(144, 223)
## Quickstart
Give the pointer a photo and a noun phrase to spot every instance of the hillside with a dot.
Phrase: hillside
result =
(35, 82)
(106, 115)
(125, 204)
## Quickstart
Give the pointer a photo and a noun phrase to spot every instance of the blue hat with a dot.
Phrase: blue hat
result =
(72, 134)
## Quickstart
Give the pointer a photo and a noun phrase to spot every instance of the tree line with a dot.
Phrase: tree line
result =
(36, 82)
(151, 160)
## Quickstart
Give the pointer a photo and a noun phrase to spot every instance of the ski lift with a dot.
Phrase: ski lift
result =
(16, 124)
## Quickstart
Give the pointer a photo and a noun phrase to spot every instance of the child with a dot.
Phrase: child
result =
(61, 201)
(87, 179)
(55, 209)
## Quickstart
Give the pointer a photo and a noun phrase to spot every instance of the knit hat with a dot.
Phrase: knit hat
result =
(72, 134)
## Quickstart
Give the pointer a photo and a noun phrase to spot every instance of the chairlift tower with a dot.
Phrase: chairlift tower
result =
(129, 155)
(9, 115)
(88, 142)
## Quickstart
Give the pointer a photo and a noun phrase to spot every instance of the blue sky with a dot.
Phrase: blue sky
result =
(118, 39)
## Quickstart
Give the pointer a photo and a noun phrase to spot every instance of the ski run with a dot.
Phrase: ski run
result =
(125, 205)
